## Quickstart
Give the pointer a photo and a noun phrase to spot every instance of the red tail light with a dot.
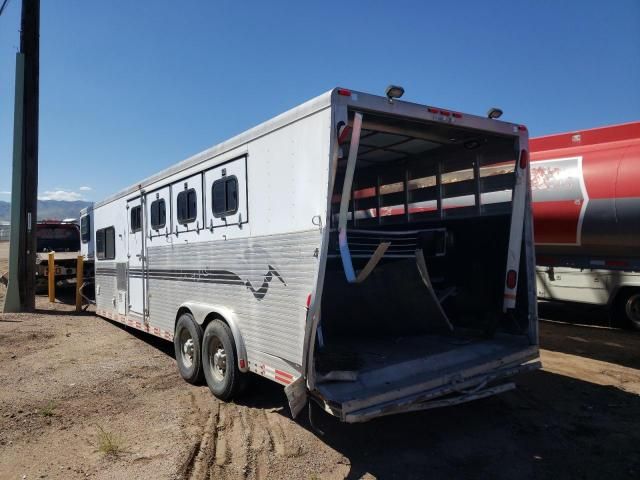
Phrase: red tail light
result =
(512, 278)
(524, 159)
(342, 137)
(309, 301)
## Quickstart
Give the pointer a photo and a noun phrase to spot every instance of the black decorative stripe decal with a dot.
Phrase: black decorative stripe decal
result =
(220, 277)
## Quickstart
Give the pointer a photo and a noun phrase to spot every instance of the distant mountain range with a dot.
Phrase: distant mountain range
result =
(49, 209)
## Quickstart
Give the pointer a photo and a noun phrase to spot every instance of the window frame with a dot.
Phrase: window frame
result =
(189, 219)
(101, 238)
(85, 237)
(226, 179)
(137, 208)
(158, 201)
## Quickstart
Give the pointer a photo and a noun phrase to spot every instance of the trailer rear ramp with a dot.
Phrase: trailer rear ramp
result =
(417, 373)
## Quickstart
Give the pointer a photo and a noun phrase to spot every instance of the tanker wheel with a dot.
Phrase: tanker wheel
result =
(628, 308)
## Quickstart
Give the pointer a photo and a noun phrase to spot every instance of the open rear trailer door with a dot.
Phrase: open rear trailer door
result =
(426, 296)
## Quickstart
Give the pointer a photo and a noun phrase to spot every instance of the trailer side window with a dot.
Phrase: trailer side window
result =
(158, 214)
(85, 228)
(110, 243)
(136, 219)
(100, 244)
(224, 193)
(106, 243)
(187, 201)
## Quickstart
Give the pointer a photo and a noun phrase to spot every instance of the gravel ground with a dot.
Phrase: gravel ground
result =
(71, 380)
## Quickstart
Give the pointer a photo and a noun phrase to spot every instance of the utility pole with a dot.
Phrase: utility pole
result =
(24, 190)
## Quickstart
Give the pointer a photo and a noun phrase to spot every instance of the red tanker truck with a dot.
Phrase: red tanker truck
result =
(586, 208)
(586, 193)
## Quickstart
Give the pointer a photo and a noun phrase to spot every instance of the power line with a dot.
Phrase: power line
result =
(4, 4)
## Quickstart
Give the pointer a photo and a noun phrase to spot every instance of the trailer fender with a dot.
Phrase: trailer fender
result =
(201, 311)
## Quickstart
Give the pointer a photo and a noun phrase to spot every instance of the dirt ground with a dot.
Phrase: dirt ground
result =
(68, 381)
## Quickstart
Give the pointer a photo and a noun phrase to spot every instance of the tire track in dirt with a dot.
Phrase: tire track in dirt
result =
(202, 453)
(232, 459)
(247, 443)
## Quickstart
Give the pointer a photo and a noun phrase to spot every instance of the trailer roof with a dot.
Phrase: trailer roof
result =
(310, 107)
(317, 104)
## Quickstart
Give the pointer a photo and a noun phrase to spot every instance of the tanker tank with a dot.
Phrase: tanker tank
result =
(586, 193)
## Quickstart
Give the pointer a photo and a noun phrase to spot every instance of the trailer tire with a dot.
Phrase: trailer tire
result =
(187, 342)
(220, 362)
(627, 309)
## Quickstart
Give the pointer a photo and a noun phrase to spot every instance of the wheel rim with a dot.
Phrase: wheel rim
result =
(632, 309)
(217, 359)
(186, 348)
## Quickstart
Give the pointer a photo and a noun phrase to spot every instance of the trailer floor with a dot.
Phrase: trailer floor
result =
(64, 377)
(391, 363)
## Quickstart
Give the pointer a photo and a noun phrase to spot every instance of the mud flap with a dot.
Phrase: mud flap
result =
(297, 396)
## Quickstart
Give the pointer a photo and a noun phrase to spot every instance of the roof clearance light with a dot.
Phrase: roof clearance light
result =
(393, 91)
(494, 113)
(344, 92)
(444, 113)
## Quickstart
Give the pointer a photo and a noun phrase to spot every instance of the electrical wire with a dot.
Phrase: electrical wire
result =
(4, 4)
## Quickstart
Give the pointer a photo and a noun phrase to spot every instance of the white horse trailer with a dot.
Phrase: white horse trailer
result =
(370, 254)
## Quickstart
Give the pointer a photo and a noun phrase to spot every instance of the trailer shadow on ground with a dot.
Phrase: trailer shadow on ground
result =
(552, 426)
(158, 343)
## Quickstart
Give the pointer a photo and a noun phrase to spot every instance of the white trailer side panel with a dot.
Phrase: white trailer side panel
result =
(263, 280)
(259, 264)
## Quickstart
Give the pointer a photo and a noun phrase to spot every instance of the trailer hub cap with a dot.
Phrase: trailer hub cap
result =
(218, 359)
(187, 348)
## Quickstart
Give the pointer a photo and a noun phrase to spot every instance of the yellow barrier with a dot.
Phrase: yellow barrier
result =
(51, 274)
(79, 282)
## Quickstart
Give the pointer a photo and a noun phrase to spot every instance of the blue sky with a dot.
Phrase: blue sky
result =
(128, 88)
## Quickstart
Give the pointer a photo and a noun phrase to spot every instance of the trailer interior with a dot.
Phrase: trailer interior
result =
(440, 198)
